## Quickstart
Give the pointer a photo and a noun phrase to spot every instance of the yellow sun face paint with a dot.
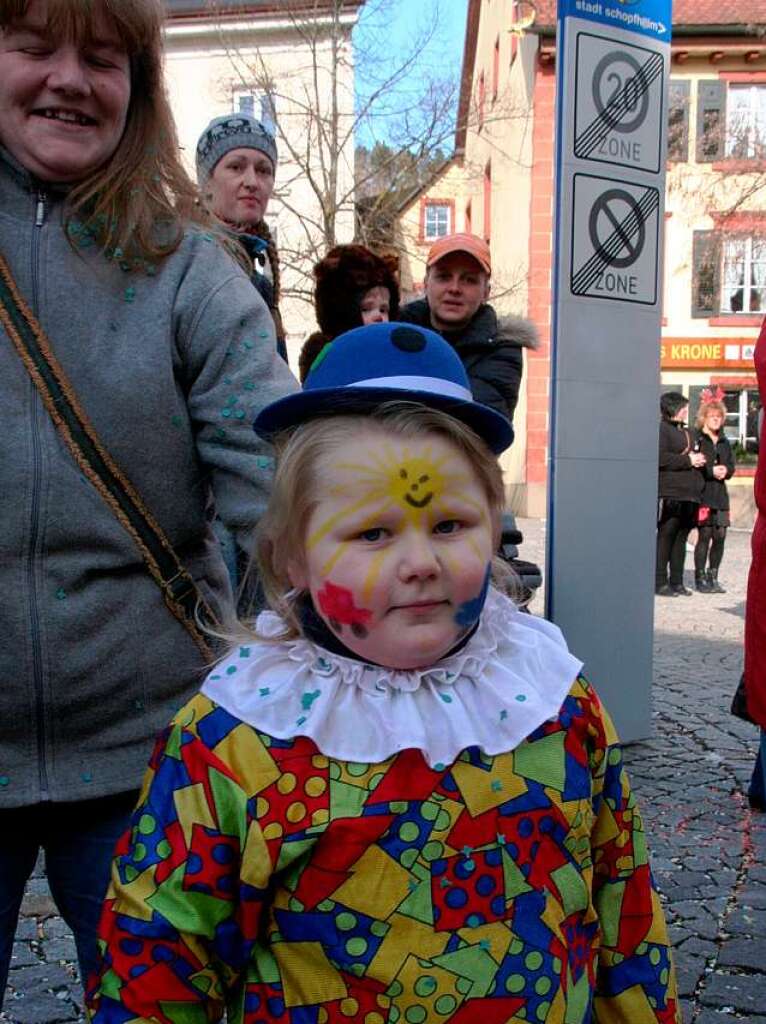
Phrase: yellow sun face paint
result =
(411, 482)
(416, 484)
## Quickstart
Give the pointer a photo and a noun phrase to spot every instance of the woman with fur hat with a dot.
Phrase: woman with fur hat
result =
(354, 287)
(236, 167)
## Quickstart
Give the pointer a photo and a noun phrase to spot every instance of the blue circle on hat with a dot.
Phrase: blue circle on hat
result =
(382, 363)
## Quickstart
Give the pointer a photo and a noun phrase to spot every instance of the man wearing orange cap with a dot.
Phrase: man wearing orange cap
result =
(457, 284)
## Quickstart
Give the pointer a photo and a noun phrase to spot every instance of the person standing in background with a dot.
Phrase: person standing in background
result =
(354, 287)
(713, 514)
(457, 286)
(678, 492)
(236, 161)
(236, 170)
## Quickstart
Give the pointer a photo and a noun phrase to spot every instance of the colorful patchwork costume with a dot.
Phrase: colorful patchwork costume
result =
(504, 884)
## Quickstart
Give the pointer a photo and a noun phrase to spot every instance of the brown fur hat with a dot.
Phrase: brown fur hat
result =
(342, 278)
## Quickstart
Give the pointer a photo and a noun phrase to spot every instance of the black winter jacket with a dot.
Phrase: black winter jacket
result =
(490, 349)
(715, 493)
(678, 478)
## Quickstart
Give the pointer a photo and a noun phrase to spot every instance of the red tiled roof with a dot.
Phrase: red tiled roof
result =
(688, 12)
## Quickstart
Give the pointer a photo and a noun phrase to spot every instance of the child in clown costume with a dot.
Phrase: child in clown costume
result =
(396, 799)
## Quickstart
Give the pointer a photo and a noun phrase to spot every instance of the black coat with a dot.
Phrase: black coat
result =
(490, 349)
(715, 493)
(678, 478)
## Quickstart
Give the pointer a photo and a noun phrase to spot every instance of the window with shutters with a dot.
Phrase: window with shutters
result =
(728, 274)
(731, 120)
(746, 121)
(743, 287)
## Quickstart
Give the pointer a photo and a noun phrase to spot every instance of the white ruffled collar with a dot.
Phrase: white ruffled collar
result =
(510, 677)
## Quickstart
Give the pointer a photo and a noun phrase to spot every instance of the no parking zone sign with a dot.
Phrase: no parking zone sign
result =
(612, 73)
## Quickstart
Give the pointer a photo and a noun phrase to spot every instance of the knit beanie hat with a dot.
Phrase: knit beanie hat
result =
(232, 131)
(342, 278)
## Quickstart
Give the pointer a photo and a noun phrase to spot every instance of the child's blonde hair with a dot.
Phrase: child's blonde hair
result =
(282, 529)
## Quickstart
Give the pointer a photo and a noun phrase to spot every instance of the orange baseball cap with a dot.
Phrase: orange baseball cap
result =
(461, 242)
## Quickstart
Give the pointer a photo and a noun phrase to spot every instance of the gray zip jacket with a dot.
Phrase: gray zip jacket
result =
(170, 369)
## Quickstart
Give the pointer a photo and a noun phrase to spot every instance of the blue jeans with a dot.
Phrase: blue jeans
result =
(78, 840)
(757, 791)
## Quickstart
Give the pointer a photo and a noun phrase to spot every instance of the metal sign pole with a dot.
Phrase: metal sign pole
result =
(612, 69)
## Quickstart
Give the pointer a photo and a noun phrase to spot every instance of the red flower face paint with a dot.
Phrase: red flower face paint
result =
(337, 606)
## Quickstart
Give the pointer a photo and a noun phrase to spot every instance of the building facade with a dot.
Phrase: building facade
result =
(714, 289)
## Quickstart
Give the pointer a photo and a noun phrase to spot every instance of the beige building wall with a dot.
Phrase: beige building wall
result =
(499, 139)
(205, 67)
(490, 184)
(500, 143)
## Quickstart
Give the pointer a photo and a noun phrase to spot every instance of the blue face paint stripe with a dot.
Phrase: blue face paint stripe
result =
(468, 613)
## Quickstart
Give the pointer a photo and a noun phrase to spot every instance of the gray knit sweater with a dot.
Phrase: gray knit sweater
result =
(170, 369)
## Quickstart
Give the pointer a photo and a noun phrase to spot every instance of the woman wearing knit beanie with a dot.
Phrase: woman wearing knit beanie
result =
(236, 166)
(353, 287)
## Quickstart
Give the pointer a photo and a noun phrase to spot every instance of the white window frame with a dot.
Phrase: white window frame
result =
(262, 106)
(745, 282)
(431, 236)
(746, 121)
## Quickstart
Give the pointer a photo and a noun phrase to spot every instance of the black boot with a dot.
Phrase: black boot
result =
(680, 589)
(702, 583)
(715, 586)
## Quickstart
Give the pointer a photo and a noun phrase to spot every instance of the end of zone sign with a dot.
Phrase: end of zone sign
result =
(618, 92)
(615, 238)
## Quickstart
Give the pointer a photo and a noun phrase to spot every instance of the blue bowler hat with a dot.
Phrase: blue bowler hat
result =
(383, 363)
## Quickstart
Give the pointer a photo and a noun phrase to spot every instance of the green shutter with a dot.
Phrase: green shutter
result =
(711, 120)
(678, 121)
(706, 274)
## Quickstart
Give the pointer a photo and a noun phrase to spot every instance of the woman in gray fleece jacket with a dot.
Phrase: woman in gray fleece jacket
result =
(171, 353)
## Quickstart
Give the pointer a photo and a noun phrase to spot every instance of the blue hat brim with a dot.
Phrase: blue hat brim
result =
(491, 426)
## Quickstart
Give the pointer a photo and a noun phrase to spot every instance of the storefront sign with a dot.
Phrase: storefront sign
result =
(702, 353)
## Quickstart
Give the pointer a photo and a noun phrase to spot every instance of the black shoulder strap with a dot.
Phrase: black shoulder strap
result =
(178, 588)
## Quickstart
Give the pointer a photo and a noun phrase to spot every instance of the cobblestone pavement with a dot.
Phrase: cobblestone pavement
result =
(709, 849)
